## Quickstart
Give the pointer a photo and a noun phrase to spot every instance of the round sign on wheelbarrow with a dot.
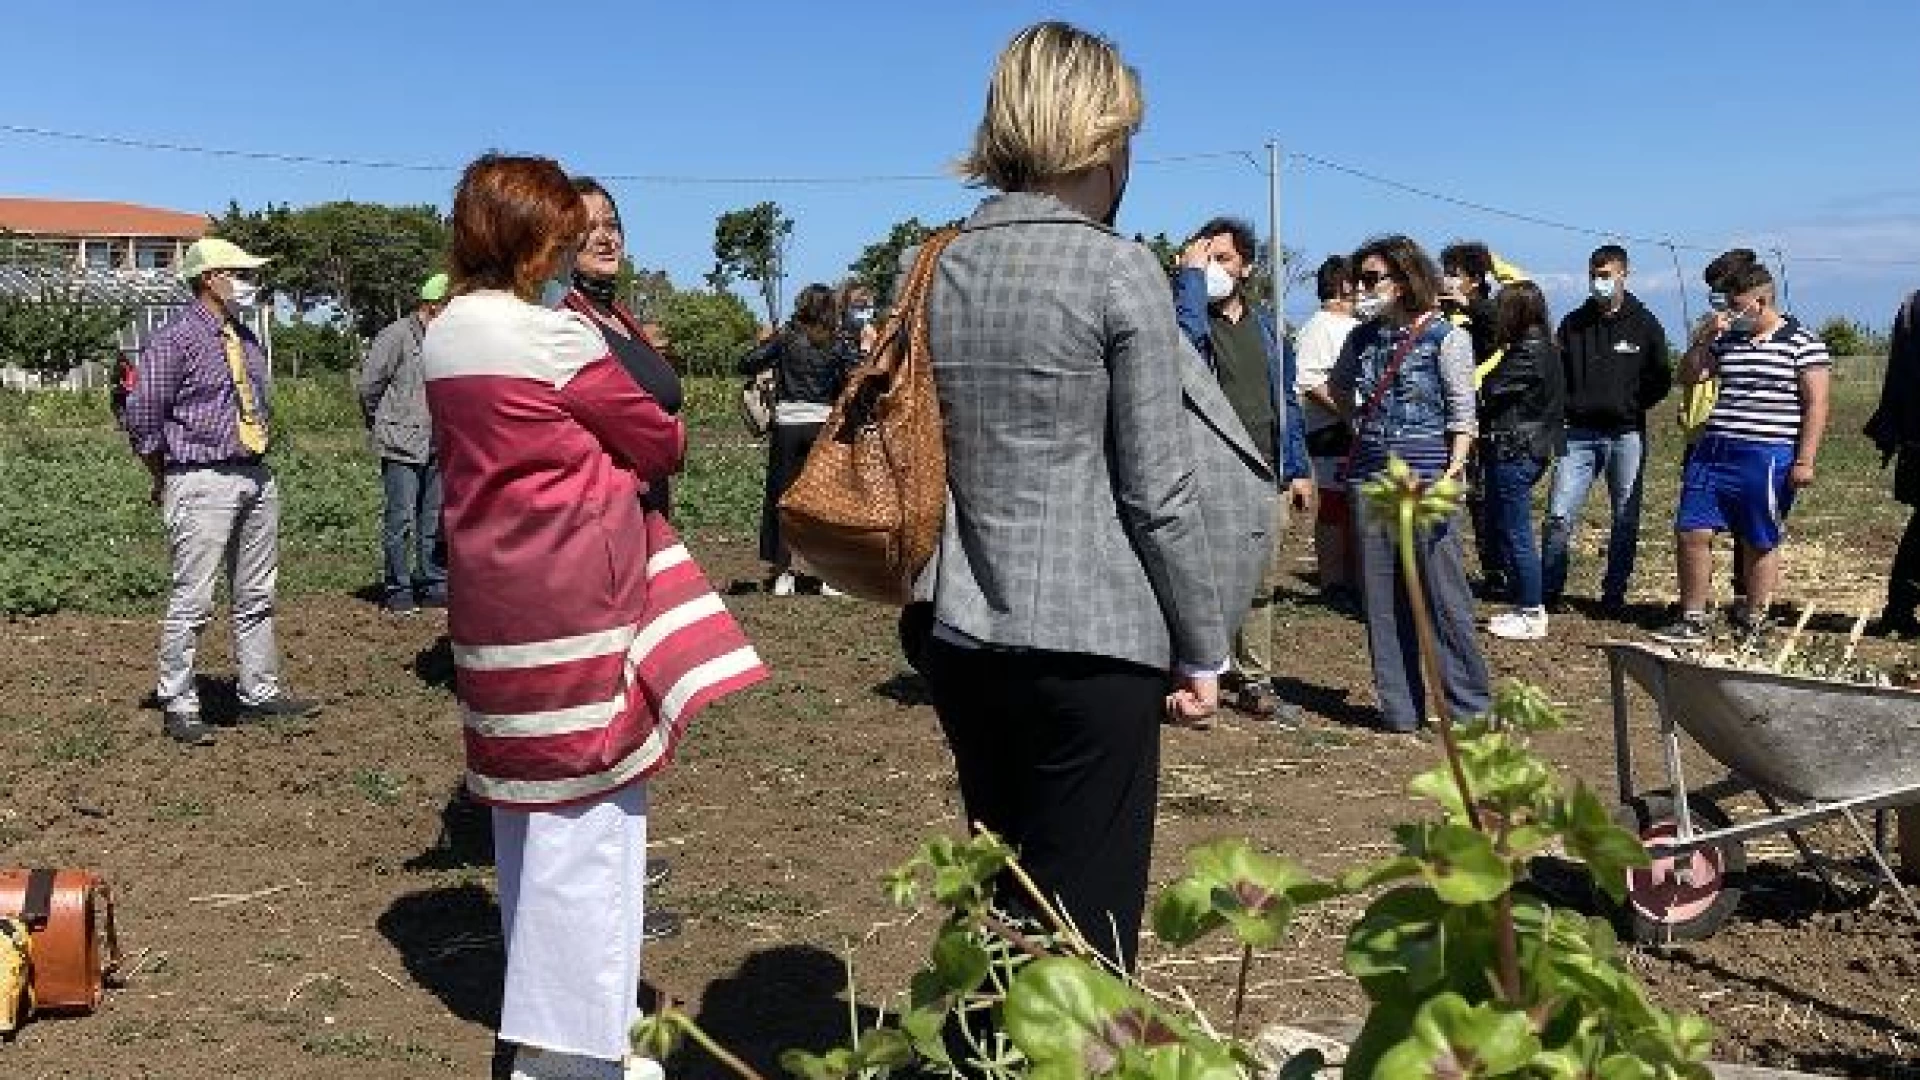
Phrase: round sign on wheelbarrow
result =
(1680, 896)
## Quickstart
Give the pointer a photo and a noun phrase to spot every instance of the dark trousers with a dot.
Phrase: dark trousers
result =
(1059, 754)
(411, 520)
(787, 446)
(1903, 581)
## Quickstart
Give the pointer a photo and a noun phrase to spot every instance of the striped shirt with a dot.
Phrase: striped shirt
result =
(1760, 382)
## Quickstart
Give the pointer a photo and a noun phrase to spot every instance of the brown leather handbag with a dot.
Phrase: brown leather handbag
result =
(75, 952)
(866, 510)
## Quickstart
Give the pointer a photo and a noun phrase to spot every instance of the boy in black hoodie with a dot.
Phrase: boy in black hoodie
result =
(1615, 355)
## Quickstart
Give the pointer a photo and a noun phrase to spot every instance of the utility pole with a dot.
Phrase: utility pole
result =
(1278, 288)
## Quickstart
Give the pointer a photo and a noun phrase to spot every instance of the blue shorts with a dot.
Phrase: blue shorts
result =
(1737, 486)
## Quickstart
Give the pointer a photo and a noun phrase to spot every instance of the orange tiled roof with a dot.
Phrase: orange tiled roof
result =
(68, 217)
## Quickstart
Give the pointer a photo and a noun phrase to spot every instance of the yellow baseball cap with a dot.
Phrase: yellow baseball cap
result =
(434, 289)
(212, 253)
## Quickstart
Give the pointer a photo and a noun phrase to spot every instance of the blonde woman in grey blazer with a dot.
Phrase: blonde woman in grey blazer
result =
(1107, 510)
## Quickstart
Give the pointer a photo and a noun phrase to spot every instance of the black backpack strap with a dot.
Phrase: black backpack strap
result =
(36, 908)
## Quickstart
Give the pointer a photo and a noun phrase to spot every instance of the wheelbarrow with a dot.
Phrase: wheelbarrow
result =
(1809, 749)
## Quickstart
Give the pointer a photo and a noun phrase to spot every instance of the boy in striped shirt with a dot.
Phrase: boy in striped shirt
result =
(1758, 447)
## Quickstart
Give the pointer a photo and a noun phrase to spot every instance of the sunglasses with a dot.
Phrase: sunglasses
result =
(1369, 278)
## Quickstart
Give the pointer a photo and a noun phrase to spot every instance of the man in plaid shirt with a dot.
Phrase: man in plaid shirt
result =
(198, 416)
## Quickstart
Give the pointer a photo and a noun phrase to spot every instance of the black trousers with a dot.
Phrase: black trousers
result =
(787, 447)
(1059, 753)
(1903, 580)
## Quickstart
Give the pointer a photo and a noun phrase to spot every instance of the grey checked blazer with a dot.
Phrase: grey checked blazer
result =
(1103, 496)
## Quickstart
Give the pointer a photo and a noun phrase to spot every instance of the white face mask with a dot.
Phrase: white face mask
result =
(553, 292)
(1220, 284)
(245, 294)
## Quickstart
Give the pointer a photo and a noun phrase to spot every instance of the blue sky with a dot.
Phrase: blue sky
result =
(1770, 122)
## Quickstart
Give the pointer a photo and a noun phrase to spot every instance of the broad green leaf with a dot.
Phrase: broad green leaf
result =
(1400, 935)
(1459, 862)
(1183, 913)
(1064, 1012)
(1193, 1058)
(1231, 883)
(833, 1065)
(960, 962)
(1623, 1067)
(1591, 836)
(882, 1048)
(1454, 1040)
(926, 1029)
(1362, 878)
(1438, 784)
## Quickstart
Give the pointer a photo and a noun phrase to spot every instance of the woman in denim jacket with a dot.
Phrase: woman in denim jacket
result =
(1406, 377)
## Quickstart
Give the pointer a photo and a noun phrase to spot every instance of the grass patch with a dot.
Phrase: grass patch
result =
(377, 787)
(88, 742)
(177, 810)
(360, 1046)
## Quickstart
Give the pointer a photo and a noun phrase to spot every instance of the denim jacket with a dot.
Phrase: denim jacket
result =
(1420, 404)
(1190, 307)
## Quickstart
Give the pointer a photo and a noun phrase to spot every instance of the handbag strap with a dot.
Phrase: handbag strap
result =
(36, 907)
(1380, 388)
(913, 300)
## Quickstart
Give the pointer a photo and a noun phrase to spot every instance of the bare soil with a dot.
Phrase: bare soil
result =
(310, 900)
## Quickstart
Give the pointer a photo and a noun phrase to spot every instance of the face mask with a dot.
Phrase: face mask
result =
(861, 315)
(245, 294)
(1744, 323)
(1220, 284)
(1368, 307)
(1603, 288)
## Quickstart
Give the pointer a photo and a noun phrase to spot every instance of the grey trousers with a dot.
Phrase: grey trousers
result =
(221, 519)
(1391, 638)
(1252, 660)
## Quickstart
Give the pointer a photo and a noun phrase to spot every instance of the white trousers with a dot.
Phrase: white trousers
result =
(572, 884)
(221, 519)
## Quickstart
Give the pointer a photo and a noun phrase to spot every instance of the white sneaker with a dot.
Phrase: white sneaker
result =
(828, 590)
(1524, 624)
(639, 1068)
(783, 585)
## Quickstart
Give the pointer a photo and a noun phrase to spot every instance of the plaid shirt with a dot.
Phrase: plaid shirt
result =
(183, 403)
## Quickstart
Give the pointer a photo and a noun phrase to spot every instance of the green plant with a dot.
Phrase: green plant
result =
(380, 788)
(1468, 977)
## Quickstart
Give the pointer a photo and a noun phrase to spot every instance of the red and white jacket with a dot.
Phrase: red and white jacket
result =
(585, 638)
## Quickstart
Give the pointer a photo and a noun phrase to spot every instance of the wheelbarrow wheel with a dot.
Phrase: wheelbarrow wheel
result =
(1679, 897)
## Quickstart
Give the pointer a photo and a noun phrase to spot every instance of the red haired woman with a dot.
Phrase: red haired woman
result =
(584, 636)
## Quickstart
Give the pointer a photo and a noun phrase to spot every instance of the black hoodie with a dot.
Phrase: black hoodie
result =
(1616, 366)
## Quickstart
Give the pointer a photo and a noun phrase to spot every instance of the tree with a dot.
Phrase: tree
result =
(879, 262)
(362, 262)
(710, 330)
(751, 245)
(57, 329)
(1846, 337)
(1163, 249)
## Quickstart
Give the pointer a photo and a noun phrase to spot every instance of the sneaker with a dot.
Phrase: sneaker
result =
(1613, 607)
(186, 728)
(279, 707)
(783, 585)
(660, 925)
(433, 598)
(1522, 624)
(830, 591)
(400, 604)
(639, 1068)
(1688, 631)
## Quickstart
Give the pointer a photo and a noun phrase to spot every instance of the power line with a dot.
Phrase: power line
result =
(696, 180)
(684, 179)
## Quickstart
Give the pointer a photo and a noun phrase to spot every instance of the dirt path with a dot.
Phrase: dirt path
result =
(305, 901)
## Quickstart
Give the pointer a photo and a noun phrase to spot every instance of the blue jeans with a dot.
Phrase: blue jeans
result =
(1510, 524)
(1398, 682)
(1589, 456)
(412, 506)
